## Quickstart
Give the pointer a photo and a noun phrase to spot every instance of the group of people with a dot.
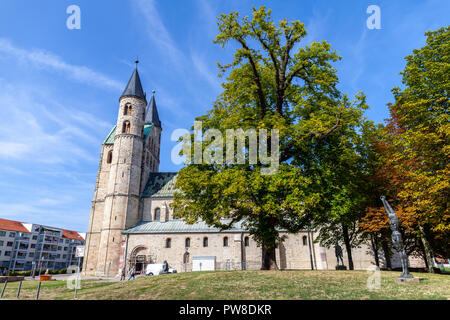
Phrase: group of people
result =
(132, 274)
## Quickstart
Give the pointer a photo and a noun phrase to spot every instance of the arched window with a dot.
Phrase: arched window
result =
(205, 242)
(126, 127)
(187, 242)
(305, 240)
(157, 214)
(225, 241)
(186, 257)
(246, 241)
(127, 110)
(109, 158)
(168, 242)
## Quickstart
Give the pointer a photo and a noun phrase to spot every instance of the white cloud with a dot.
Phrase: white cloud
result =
(33, 132)
(49, 61)
(158, 32)
(202, 69)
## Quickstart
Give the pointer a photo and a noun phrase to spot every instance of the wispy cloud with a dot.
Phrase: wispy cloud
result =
(158, 32)
(45, 136)
(202, 68)
(48, 61)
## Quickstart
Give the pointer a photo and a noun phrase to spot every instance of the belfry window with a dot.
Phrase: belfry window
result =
(157, 214)
(109, 158)
(168, 242)
(187, 242)
(126, 128)
(305, 241)
(246, 241)
(225, 241)
(205, 242)
(127, 110)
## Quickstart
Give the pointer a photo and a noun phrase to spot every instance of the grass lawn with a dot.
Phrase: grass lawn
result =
(244, 285)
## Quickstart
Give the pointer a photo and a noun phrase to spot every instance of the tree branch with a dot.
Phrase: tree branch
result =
(257, 79)
(321, 135)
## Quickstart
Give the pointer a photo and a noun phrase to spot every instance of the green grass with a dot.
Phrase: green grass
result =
(245, 285)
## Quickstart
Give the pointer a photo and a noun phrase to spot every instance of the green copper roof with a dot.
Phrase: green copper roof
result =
(180, 226)
(160, 185)
(110, 138)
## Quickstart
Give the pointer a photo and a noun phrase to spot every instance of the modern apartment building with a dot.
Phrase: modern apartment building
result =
(25, 246)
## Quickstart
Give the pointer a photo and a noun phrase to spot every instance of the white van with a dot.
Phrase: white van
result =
(156, 269)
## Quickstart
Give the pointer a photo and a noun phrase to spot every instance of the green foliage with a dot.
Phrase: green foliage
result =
(268, 85)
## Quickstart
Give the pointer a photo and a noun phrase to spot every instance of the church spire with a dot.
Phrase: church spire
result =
(151, 115)
(134, 86)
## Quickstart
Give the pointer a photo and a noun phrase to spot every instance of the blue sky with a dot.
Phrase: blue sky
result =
(59, 88)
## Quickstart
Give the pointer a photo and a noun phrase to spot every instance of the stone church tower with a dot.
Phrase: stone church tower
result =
(129, 154)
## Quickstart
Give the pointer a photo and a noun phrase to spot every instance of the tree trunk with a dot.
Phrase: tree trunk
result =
(269, 261)
(374, 243)
(387, 256)
(348, 247)
(426, 249)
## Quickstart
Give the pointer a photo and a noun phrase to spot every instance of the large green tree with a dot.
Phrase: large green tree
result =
(274, 82)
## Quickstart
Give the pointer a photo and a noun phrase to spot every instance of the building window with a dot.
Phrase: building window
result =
(126, 127)
(8, 253)
(9, 244)
(12, 234)
(205, 242)
(109, 158)
(246, 241)
(157, 214)
(31, 254)
(225, 241)
(34, 237)
(186, 257)
(305, 240)
(187, 242)
(127, 110)
(33, 245)
(168, 242)
(1, 243)
(2, 233)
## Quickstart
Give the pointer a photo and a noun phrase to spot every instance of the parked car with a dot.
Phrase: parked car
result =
(156, 269)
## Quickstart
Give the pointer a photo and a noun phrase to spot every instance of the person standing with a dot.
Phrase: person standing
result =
(132, 273)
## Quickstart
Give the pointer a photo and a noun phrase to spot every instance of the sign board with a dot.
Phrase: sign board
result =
(79, 253)
(204, 263)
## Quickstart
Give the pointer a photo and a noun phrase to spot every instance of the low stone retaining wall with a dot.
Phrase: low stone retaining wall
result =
(11, 278)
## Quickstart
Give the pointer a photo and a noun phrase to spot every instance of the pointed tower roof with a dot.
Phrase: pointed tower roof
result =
(134, 86)
(151, 116)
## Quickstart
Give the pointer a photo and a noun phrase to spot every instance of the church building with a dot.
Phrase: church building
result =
(132, 224)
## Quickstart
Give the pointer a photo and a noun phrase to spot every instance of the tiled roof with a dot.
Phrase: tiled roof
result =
(134, 86)
(12, 226)
(180, 226)
(110, 138)
(160, 185)
(151, 116)
(71, 235)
